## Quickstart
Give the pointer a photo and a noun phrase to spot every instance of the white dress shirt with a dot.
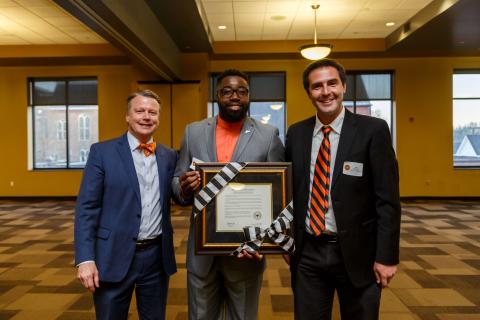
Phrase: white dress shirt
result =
(334, 138)
(149, 183)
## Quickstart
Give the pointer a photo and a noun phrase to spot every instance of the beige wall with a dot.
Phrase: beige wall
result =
(114, 84)
(423, 92)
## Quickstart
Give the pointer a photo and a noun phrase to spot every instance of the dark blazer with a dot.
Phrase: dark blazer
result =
(366, 208)
(108, 211)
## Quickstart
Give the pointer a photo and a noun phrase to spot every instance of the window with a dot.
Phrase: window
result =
(64, 121)
(267, 98)
(84, 155)
(61, 130)
(466, 119)
(370, 93)
(84, 127)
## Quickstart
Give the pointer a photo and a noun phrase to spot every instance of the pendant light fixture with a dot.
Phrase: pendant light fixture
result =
(315, 51)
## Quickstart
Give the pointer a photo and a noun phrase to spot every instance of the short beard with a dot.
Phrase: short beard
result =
(233, 116)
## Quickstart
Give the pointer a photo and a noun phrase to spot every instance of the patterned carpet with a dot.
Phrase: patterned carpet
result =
(439, 277)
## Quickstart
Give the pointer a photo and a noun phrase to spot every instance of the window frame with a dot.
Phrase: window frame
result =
(212, 99)
(32, 106)
(356, 73)
(462, 71)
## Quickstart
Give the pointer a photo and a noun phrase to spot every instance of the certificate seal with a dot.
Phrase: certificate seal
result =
(257, 215)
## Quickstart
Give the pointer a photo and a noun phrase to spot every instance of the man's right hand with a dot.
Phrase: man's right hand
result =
(87, 274)
(189, 183)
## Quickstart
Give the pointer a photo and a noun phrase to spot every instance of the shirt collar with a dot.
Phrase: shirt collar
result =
(230, 126)
(133, 142)
(336, 124)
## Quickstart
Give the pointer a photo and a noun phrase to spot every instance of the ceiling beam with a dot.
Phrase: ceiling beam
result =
(432, 10)
(132, 27)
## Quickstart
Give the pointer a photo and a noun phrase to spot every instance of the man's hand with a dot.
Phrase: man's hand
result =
(87, 274)
(246, 255)
(189, 183)
(384, 273)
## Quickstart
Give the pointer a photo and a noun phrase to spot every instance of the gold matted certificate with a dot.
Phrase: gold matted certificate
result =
(254, 197)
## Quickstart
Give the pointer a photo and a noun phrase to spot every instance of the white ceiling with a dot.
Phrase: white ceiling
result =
(336, 19)
(24, 22)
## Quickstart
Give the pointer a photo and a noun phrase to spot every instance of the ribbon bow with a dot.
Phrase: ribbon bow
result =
(255, 236)
(148, 148)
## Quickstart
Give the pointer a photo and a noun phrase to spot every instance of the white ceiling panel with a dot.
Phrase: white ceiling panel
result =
(413, 4)
(218, 7)
(250, 6)
(336, 18)
(12, 40)
(7, 3)
(249, 37)
(48, 12)
(249, 21)
(224, 35)
(283, 6)
(383, 5)
(41, 22)
(34, 3)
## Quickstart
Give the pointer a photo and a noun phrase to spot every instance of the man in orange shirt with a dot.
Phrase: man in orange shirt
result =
(224, 285)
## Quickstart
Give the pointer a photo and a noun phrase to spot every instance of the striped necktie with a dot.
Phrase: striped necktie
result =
(320, 186)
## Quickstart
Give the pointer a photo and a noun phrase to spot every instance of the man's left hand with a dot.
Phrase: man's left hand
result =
(384, 273)
(246, 255)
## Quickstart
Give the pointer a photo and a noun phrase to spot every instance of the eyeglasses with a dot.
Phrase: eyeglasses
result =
(227, 92)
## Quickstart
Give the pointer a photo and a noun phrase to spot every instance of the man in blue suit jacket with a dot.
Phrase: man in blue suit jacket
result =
(123, 231)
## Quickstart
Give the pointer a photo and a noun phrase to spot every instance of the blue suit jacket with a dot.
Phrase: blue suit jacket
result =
(108, 211)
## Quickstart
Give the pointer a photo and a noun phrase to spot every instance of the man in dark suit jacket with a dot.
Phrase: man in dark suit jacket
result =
(346, 202)
(123, 232)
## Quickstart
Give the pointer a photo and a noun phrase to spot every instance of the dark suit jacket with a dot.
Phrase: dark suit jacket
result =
(107, 219)
(366, 208)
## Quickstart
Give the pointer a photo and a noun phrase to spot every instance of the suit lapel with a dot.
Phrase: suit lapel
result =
(161, 165)
(123, 149)
(349, 129)
(306, 157)
(210, 139)
(245, 135)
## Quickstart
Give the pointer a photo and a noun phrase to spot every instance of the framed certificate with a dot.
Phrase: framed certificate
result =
(254, 197)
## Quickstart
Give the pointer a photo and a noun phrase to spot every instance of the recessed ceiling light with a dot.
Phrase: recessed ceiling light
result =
(222, 27)
(390, 24)
(278, 18)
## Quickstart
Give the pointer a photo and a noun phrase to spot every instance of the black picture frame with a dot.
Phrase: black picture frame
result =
(208, 240)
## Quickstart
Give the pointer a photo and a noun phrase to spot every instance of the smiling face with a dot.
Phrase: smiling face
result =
(233, 104)
(142, 117)
(325, 90)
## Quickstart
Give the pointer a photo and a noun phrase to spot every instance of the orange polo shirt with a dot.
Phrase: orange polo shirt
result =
(227, 134)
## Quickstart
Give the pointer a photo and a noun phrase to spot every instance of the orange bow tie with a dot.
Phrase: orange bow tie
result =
(148, 148)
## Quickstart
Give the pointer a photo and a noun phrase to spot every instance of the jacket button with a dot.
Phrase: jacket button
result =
(138, 216)
(134, 239)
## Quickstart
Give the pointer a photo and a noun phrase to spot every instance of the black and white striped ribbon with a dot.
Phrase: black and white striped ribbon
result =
(255, 236)
(216, 184)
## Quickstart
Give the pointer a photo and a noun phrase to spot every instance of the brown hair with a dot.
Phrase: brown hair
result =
(143, 93)
(321, 64)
